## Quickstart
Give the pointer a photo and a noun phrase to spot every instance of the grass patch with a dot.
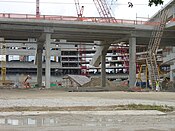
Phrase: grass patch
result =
(148, 107)
(92, 108)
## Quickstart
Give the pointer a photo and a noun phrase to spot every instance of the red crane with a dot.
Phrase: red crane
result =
(37, 9)
(104, 10)
(80, 9)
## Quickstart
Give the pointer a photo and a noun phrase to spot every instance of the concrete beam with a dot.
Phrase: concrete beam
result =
(104, 47)
(31, 65)
(97, 56)
(24, 52)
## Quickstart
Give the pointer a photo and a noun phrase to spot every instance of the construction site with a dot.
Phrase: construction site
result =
(46, 51)
(87, 73)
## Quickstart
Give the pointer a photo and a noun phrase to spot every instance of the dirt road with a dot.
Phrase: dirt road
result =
(34, 97)
(85, 122)
(35, 93)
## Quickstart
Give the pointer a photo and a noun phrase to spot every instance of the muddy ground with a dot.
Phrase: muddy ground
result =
(85, 122)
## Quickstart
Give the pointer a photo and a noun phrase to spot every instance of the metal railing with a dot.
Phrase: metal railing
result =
(72, 18)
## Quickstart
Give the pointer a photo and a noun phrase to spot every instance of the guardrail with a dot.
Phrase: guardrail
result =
(72, 18)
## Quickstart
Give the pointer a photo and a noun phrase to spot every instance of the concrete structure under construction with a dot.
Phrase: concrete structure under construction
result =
(48, 32)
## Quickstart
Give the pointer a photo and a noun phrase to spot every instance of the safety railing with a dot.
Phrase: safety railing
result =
(72, 18)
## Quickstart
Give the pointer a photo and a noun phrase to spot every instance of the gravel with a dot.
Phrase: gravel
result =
(80, 101)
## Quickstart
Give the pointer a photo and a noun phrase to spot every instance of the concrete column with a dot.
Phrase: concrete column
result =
(103, 69)
(7, 57)
(132, 61)
(171, 73)
(47, 57)
(39, 64)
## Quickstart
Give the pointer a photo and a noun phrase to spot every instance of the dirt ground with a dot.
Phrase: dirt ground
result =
(36, 93)
(86, 122)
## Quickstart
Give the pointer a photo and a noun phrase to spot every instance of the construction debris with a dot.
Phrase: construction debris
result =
(75, 80)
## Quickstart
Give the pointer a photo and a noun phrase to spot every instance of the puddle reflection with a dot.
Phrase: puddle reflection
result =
(31, 121)
(48, 121)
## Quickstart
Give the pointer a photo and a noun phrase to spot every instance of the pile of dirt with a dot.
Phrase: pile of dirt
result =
(168, 86)
(96, 82)
(112, 86)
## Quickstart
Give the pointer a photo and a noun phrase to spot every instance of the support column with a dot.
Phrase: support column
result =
(104, 50)
(171, 73)
(47, 57)
(103, 69)
(132, 62)
(39, 64)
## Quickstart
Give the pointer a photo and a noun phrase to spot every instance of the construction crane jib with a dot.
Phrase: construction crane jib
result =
(37, 9)
(104, 11)
(79, 9)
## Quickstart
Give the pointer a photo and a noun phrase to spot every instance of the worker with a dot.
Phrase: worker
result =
(157, 86)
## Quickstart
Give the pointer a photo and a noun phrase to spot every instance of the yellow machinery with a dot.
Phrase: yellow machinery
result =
(139, 81)
(3, 61)
(144, 69)
(3, 80)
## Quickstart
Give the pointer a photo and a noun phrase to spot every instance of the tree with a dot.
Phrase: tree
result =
(156, 2)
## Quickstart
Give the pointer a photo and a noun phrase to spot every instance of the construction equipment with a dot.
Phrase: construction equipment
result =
(3, 61)
(37, 9)
(104, 11)
(79, 9)
(153, 47)
(26, 83)
(142, 77)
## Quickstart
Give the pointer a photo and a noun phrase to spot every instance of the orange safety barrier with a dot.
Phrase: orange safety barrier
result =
(72, 18)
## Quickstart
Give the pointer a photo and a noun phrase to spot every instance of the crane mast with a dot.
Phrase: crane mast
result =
(104, 11)
(37, 9)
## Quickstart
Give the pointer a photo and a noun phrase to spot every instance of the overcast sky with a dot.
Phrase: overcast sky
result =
(58, 7)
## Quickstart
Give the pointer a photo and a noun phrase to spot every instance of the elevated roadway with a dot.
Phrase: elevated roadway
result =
(48, 29)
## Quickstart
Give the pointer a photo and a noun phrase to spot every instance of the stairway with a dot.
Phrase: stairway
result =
(153, 47)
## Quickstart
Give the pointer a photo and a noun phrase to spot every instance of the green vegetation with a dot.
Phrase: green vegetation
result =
(156, 2)
(92, 108)
(149, 107)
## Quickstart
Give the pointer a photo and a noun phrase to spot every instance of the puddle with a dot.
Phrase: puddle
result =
(43, 121)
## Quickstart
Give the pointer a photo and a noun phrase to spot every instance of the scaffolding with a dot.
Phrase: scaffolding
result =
(82, 59)
(153, 47)
(122, 52)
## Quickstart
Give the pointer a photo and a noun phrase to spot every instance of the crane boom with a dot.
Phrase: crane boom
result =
(37, 9)
(79, 9)
(104, 10)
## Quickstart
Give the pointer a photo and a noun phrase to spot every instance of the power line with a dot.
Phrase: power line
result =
(9, 1)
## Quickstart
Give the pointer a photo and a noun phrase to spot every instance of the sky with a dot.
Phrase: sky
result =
(67, 8)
